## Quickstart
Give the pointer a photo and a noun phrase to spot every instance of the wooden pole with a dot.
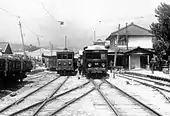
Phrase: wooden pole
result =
(50, 48)
(23, 45)
(127, 40)
(94, 36)
(116, 48)
(65, 42)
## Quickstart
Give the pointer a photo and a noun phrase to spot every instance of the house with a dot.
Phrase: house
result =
(5, 48)
(99, 42)
(133, 46)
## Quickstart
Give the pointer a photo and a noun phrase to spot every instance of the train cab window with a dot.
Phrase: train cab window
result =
(64, 56)
(93, 56)
(59, 56)
(69, 56)
(103, 56)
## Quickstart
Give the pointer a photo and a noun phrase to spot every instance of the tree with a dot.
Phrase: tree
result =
(161, 30)
(31, 48)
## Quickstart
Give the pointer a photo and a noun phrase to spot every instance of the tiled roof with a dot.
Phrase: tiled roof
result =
(95, 47)
(140, 50)
(3, 46)
(132, 30)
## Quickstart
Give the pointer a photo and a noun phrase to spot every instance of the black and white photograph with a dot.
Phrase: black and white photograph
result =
(84, 57)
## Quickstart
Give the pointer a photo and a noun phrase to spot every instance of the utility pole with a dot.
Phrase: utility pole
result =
(127, 40)
(116, 48)
(50, 48)
(94, 34)
(65, 42)
(39, 47)
(23, 45)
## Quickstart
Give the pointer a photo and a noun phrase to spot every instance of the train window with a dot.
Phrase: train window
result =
(69, 56)
(59, 56)
(64, 56)
(93, 56)
(103, 56)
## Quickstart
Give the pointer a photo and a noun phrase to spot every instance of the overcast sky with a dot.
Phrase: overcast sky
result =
(81, 18)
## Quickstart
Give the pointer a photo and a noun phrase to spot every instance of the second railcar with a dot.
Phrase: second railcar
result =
(50, 62)
(65, 63)
(95, 61)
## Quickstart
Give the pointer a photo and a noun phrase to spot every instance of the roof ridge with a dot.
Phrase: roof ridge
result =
(129, 26)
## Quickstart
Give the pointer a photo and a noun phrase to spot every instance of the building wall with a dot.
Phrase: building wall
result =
(135, 61)
(112, 43)
(143, 42)
(135, 41)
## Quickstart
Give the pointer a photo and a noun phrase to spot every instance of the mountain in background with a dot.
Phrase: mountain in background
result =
(18, 47)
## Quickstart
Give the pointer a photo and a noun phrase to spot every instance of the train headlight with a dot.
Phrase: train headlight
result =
(89, 64)
(69, 63)
(103, 65)
(59, 63)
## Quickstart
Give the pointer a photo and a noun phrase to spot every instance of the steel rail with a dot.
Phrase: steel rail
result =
(52, 98)
(21, 99)
(139, 102)
(45, 101)
(163, 95)
(71, 101)
(27, 79)
(146, 84)
(105, 98)
(157, 82)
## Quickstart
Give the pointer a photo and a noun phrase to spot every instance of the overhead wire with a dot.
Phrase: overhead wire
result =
(17, 16)
(2, 9)
(52, 16)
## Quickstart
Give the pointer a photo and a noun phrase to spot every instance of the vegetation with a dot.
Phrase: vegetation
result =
(31, 48)
(161, 29)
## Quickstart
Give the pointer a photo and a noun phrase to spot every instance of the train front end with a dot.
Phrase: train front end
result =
(95, 62)
(65, 63)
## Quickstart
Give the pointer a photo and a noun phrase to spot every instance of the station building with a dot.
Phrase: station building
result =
(133, 46)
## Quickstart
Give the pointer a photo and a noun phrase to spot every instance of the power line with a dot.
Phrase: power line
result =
(17, 16)
(52, 16)
(31, 30)
(2, 9)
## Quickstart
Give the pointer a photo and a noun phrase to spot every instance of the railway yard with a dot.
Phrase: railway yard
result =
(47, 93)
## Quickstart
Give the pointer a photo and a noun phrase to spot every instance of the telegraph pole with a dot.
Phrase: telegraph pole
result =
(23, 45)
(94, 34)
(127, 40)
(39, 47)
(65, 42)
(50, 48)
(116, 48)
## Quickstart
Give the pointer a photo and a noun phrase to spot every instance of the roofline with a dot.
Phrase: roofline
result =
(115, 33)
(6, 47)
(129, 26)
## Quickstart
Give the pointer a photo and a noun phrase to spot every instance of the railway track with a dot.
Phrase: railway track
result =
(147, 82)
(121, 102)
(5, 110)
(38, 75)
(49, 103)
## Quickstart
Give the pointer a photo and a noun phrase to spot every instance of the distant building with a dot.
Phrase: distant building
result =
(5, 48)
(133, 45)
(99, 42)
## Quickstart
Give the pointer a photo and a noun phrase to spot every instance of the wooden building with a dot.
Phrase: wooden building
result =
(5, 48)
(133, 46)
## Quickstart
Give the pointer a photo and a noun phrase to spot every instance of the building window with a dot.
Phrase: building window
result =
(122, 40)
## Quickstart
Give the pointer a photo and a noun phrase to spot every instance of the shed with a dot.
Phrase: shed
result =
(5, 48)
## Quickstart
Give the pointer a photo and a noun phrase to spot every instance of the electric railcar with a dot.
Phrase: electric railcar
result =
(13, 68)
(50, 62)
(65, 63)
(95, 61)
